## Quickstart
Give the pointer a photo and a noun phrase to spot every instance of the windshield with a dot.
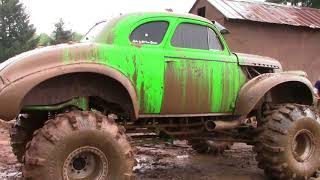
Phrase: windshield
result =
(94, 31)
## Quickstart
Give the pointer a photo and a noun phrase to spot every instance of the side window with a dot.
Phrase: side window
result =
(214, 41)
(149, 33)
(190, 36)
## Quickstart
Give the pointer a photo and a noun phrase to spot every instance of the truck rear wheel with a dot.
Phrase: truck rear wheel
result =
(207, 146)
(19, 135)
(289, 146)
(22, 130)
(79, 145)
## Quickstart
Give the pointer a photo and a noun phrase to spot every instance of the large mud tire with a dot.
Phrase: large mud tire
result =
(79, 145)
(210, 147)
(288, 144)
(19, 137)
(21, 132)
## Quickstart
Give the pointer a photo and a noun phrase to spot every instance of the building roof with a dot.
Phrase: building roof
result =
(268, 13)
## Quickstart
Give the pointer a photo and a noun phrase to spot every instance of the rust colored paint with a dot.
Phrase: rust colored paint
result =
(200, 86)
(198, 81)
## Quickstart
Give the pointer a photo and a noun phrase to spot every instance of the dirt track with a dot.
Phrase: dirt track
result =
(166, 162)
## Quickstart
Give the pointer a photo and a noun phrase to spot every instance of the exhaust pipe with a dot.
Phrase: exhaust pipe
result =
(211, 125)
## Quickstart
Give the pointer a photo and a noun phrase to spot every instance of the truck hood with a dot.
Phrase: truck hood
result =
(39, 59)
(260, 61)
(31, 53)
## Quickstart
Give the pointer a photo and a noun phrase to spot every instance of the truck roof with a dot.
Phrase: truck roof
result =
(119, 25)
(170, 14)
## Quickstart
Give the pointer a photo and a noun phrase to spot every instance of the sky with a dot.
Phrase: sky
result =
(80, 15)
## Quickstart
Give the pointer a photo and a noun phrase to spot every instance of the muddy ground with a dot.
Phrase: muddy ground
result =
(165, 162)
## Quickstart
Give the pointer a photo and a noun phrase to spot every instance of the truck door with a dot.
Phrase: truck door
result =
(147, 40)
(201, 76)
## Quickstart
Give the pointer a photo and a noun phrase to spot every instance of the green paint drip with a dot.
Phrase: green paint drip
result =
(145, 66)
(218, 71)
(66, 56)
(144, 69)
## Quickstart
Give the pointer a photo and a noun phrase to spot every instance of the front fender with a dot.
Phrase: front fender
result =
(254, 90)
(12, 95)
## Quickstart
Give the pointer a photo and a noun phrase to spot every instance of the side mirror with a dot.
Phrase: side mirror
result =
(221, 28)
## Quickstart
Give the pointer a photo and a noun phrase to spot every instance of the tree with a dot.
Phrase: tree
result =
(60, 34)
(302, 3)
(76, 36)
(16, 33)
(44, 39)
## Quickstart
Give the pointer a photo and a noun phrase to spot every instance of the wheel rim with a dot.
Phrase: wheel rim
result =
(303, 145)
(85, 163)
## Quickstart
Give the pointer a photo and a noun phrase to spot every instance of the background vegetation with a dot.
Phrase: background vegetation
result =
(17, 35)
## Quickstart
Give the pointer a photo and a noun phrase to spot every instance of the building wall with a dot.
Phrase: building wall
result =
(297, 48)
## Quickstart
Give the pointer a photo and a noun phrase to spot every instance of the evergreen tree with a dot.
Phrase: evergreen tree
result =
(16, 33)
(60, 35)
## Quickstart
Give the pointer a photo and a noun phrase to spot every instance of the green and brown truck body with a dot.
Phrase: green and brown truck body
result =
(158, 78)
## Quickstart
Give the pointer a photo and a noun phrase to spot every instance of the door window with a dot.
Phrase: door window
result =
(190, 36)
(214, 41)
(149, 33)
(196, 37)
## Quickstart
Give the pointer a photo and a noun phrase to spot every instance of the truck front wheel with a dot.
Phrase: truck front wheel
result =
(288, 146)
(79, 145)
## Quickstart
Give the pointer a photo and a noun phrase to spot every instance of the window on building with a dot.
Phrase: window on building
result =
(190, 36)
(149, 33)
(214, 41)
(202, 12)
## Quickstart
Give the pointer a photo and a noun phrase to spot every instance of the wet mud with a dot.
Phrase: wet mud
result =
(10, 169)
(164, 161)
(180, 162)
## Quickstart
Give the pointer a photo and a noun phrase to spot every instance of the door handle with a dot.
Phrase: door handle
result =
(170, 61)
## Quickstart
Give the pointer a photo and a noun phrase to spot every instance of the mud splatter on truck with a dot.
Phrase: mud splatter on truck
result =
(160, 75)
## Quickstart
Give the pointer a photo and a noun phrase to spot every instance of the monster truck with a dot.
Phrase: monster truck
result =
(77, 105)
